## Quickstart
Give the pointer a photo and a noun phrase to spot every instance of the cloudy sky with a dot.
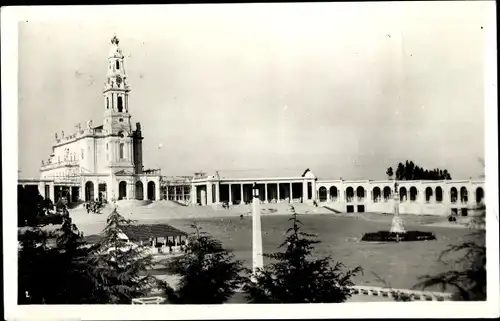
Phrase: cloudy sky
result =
(344, 89)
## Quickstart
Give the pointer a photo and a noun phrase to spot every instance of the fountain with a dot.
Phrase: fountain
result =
(397, 232)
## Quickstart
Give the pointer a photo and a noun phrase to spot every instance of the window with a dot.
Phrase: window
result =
(117, 65)
(107, 146)
(107, 100)
(120, 120)
(120, 104)
(122, 149)
(82, 153)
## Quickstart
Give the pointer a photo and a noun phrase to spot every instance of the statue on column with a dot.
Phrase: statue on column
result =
(79, 127)
(56, 136)
(62, 133)
(89, 125)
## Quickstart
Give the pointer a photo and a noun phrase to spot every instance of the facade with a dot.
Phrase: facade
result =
(445, 197)
(104, 161)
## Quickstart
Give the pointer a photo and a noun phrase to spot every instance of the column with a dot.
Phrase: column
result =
(314, 192)
(203, 195)
(182, 193)
(69, 195)
(278, 192)
(265, 193)
(168, 185)
(175, 192)
(304, 191)
(193, 195)
(96, 190)
(217, 192)
(158, 191)
(241, 191)
(291, 194)
(230, 194)
(209, 192)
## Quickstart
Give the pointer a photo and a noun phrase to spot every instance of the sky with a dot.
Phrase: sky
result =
(345, 89)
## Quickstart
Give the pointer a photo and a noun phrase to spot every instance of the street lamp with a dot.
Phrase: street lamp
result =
(257, 261)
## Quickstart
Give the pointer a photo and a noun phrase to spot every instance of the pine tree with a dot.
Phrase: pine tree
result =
(209, 274)
(295, 277)
(120, 267)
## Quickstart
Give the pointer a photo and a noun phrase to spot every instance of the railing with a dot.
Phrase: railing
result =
(149, 300)
(63, 163)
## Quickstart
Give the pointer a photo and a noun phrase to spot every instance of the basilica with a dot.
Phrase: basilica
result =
(103, 161)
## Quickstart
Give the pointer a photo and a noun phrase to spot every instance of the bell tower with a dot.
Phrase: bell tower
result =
(116, 91)
(119, 139)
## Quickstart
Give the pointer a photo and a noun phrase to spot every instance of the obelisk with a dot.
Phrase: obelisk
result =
(257, 259)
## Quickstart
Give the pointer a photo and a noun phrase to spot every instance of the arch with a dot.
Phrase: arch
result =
(152, 191)
(428, 194)
(102, 187)
(464, 197)
(89, 191)
(139, 191)
(120, 104)
(360, 192)
(376, 194)
(323, 194)
(349, 194)
(439, 194)
(122, 190)
(334, 193)
(479, 194)
(453, 194)
(413, 193)
(402, 194)
(122, 150)
(387, 193)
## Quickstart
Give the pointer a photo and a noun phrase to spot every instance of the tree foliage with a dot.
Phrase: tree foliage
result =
(467, 276)
(410, 171)
(295, 277)
(54, 267)
(389, 172)
(31, 206)
(209, 274)
(120, 267)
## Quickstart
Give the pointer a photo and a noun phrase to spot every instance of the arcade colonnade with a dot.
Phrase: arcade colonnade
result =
(239, 191)
(126, 187)
(416, 197)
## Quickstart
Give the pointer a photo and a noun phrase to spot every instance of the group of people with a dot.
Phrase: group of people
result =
(93, 206)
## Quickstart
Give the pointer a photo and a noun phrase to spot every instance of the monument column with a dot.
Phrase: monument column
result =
(257, 258)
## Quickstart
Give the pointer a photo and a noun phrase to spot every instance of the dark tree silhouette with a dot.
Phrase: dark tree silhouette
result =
(54, 267)
(294, 277)
(209, 273)
(410, 171)
(390, 172)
